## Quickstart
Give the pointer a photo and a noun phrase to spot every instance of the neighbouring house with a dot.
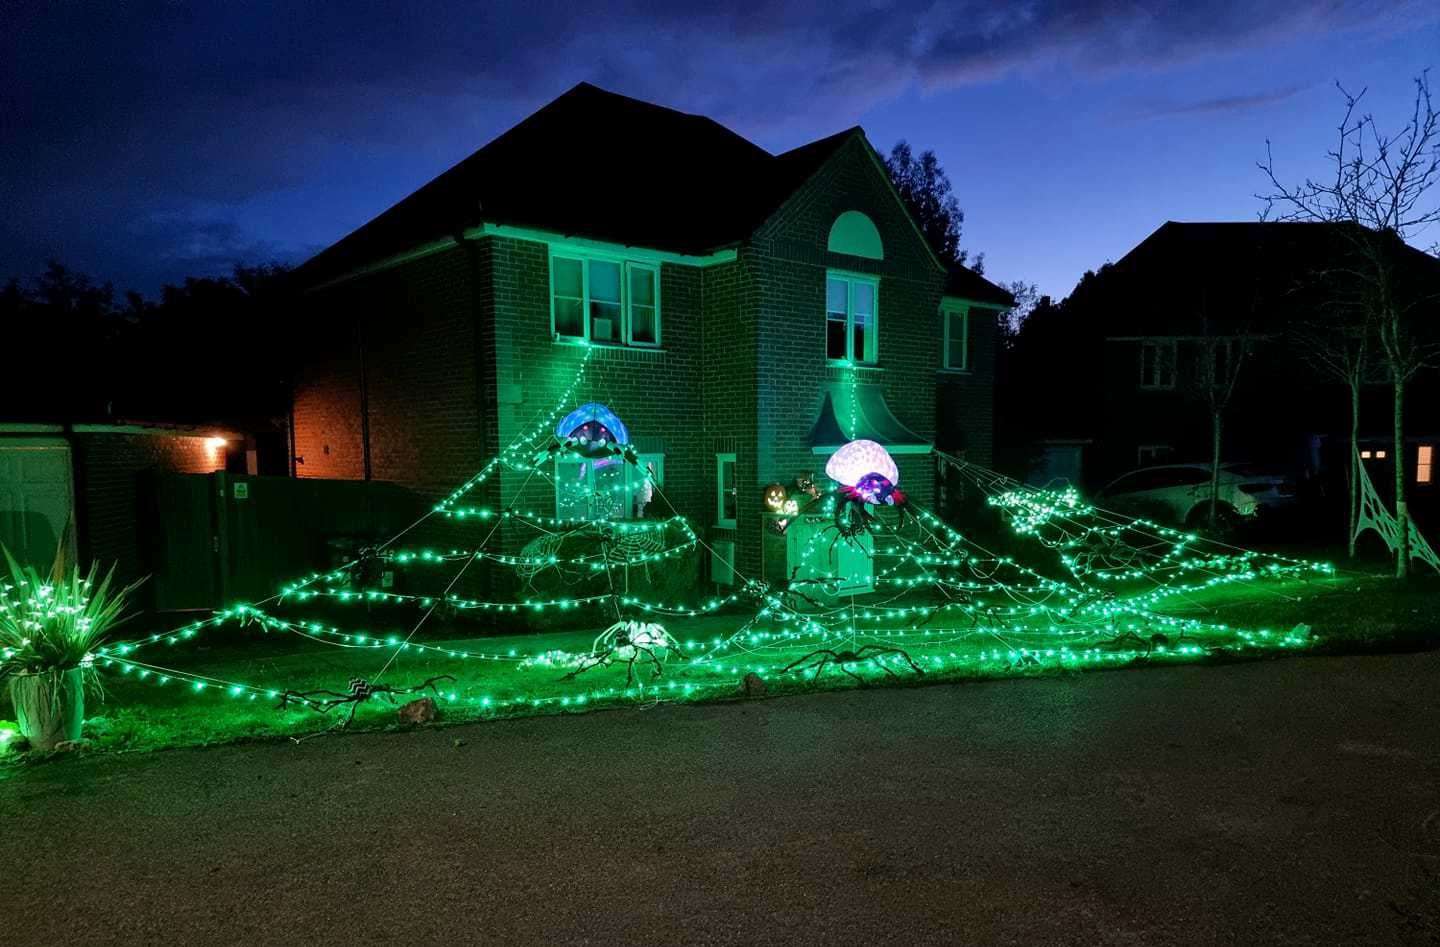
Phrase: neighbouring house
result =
(743, 313)
(1120, 375)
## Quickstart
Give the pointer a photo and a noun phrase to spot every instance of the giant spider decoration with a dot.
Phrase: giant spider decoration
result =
(843, 660)
(627, 641)
(599, 448)
(361, 690)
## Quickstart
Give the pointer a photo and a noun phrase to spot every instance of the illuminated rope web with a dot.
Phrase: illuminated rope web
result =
(936, 593)
(1375, 515)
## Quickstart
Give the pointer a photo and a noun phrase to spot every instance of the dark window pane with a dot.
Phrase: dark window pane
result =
(835, 338)
(642, 325)
(566, 276)
(569, 317)
(957, 353)
(863, 297)
(642, 287)
(604, 281)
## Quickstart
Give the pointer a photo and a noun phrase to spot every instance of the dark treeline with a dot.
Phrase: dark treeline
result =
(211, 349)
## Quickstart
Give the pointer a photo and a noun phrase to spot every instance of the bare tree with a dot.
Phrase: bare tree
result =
(1382, 195)
(1222, 349)
(1341, 348)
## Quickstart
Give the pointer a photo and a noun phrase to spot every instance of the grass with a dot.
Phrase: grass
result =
(1349, 614)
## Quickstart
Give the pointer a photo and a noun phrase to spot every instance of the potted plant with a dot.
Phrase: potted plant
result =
(49, 629)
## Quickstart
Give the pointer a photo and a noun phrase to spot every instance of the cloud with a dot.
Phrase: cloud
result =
(1220, 104)
(176, 114)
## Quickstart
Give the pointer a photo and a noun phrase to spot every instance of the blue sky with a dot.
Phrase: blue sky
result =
(146, 142)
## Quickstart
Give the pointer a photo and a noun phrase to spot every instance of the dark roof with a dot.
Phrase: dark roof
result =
(1270, 270)
(1246, 255)
(965, 283)
(599, 165)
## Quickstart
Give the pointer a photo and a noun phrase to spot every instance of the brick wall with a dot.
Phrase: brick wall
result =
(108, 471)
(326, 401)
(401, 352)
(657, 393)
(730, 388)
(965, 401)
(787, 265)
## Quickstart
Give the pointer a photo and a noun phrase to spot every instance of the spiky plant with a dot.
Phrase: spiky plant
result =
(54, 624)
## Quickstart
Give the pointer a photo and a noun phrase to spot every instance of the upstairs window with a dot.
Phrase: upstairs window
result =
(957, 338)
(606, 301)
(1157, 364)
(1425, 464)
(851, 318)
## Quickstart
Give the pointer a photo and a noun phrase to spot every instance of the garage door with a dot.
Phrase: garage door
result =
(35, 498)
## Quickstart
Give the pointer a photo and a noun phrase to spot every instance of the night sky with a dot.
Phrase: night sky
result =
(146, 142)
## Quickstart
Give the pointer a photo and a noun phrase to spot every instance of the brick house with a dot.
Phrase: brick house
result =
(744, 313)
(1168, 320)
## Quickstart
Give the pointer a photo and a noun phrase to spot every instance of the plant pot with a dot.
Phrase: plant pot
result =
(49, 706)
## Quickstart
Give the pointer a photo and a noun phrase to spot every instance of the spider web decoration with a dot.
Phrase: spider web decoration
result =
(937, 601)
(1101, 549)
(1375, 515)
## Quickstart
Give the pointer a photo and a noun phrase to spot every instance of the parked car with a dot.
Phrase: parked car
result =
(1180, 493)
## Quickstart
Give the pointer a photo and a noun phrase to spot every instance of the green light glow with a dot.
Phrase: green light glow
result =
(958, 609)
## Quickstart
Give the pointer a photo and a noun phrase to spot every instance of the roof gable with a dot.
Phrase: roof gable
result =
(598, 165)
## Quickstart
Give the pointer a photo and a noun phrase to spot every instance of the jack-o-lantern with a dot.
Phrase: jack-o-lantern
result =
(775, 497)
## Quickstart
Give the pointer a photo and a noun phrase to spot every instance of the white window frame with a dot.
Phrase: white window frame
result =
(720, 519)
(1162, 347)
(963, 311)
(627, 266)
(634, 477)
(872, 339)
(1151, 455)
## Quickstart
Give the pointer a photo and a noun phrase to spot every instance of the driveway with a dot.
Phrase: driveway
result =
(1290, 801)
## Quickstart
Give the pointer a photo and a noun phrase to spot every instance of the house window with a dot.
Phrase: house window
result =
(957, 338)
(606, 488)
(606, 301)
(851, 313)
(727, 494)
(1148, 454)
(1157, 364)
(1424, 464)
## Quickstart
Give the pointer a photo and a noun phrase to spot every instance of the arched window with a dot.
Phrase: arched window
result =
(855, 234)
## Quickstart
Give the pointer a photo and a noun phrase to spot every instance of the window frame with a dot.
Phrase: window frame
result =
(962, 310)
(872, 339)
(1163, 347)
(627, 266)
(721, 520)
(634, 477)
(1152, 455)
(1425, 464)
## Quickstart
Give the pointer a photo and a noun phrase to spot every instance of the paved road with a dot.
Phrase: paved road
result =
(1284, 802)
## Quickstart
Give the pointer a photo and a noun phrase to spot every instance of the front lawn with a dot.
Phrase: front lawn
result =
(233, 675)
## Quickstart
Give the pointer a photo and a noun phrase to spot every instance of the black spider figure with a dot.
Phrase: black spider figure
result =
(361, 690)
(821, 657)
